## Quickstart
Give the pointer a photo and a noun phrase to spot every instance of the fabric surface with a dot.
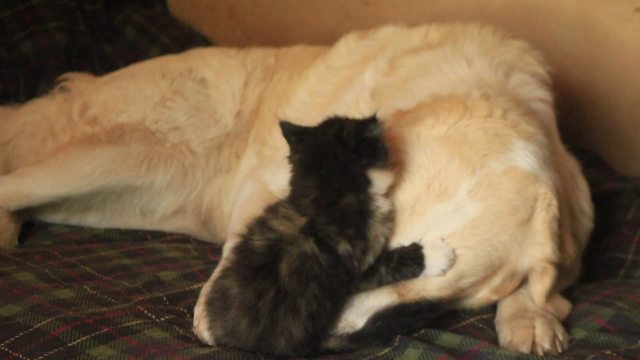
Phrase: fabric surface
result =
(41, 39)
(71, 292)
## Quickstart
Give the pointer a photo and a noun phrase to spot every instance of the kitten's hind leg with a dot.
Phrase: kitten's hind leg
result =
(394, 265)
(251, 200)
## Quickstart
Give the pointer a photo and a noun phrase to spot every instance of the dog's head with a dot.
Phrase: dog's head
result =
(482, 181)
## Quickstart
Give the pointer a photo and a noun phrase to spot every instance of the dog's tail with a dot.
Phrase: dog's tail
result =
(383, 326)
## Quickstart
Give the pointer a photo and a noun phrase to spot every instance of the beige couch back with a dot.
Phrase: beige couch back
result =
(593, 46)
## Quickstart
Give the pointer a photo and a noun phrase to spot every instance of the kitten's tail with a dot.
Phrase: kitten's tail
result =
(382, 327)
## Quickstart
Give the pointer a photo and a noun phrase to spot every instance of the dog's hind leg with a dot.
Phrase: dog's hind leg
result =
(9, 224)
(9, 230)
(75, 171)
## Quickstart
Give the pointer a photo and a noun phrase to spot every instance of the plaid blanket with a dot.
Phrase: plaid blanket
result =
(41, 39)
(71, 292)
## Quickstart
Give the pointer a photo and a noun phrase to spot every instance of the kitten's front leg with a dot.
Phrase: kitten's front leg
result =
(403, 263)
(408, 262)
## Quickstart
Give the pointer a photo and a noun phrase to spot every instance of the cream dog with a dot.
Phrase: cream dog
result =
(189, 143)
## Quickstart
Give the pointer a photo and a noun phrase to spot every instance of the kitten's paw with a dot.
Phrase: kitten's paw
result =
(440, 257)
(9, 230)
(409, 261)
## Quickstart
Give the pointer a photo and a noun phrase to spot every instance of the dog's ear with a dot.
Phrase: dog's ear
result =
(292, 133)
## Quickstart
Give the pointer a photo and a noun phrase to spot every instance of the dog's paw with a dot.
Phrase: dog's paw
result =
(9, 230)
(537, 331)
(439, 257)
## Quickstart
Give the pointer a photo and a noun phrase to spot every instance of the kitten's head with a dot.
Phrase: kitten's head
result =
(338, 143)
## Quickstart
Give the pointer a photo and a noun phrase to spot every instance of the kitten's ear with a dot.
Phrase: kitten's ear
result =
(291, 132)
(373, 128)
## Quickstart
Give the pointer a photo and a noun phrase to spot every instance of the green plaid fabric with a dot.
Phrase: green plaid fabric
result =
(70, 292)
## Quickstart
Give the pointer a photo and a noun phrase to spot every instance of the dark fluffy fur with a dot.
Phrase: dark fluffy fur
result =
(298, 263)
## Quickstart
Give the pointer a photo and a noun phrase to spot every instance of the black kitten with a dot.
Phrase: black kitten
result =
(296, 265)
